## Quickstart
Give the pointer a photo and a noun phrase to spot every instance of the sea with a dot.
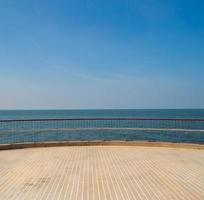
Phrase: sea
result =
(129, 135)
(146, 113)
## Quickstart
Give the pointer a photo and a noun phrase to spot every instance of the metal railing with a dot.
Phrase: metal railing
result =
(132, 129)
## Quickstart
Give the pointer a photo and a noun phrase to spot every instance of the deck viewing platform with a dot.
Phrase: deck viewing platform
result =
(102, 172)
(155, 159)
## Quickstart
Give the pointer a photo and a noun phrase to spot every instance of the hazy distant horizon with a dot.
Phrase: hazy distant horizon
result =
(67, 109)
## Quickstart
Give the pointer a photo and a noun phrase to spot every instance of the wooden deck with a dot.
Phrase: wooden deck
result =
(102, 172)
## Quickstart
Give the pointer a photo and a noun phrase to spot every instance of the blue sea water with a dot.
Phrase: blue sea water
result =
(130, 135)
(157, 113)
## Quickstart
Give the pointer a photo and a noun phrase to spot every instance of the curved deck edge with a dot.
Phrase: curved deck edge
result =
(101, 143)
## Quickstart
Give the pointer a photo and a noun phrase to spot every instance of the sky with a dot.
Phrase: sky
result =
(87, 54)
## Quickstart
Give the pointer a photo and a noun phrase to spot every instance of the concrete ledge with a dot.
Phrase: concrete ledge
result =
(101, 143)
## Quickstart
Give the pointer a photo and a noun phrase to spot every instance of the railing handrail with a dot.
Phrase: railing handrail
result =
(100, 119)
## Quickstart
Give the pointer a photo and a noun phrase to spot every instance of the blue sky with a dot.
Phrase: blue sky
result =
(101, 54)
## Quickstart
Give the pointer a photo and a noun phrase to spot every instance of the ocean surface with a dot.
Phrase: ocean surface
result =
(29, 133)
(157, 113)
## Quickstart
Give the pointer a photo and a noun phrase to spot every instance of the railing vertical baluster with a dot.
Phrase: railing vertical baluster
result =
(36, 130)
